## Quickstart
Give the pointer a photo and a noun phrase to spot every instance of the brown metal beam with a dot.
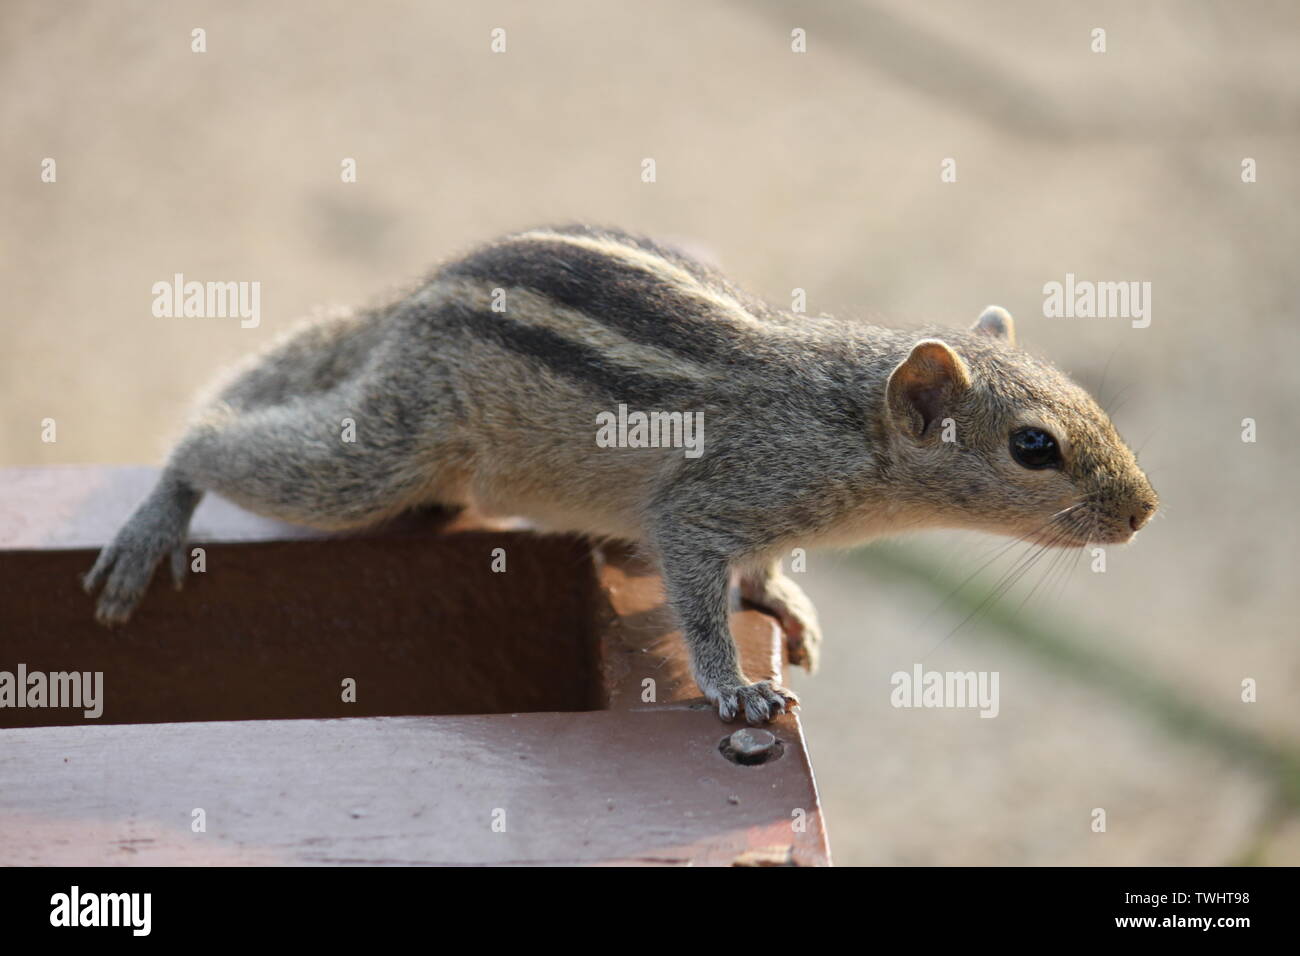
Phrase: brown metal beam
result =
(592, 738)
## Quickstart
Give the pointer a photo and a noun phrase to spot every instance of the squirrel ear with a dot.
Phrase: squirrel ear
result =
(924, 385)
(996, 321)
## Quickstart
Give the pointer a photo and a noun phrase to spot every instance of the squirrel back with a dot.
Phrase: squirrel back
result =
(541, 333)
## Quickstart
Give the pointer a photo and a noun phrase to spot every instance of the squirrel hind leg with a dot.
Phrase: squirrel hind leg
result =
(339, 460)
(314, 358)
(330, 461)
(156, 529)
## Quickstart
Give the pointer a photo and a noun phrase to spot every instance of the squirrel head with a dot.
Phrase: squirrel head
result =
(994, 439)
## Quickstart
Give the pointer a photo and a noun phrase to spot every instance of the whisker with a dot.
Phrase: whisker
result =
(1061, 564)
(1110, 407)
(1072, 567)
(1143, 443)
(1007, 581)
(1063, 528)
(998, 553)
(1105, 372)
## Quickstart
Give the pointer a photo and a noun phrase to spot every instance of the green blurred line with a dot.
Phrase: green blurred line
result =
(1069, 651)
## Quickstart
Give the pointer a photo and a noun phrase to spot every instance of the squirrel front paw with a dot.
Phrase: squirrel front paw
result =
(785, 600)
(761, 701)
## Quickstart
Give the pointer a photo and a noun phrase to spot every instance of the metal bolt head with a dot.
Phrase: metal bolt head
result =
(751, 745)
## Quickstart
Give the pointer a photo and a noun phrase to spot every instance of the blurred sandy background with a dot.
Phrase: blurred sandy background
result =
(820, 171)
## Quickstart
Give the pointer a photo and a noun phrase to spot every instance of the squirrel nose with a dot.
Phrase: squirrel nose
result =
(1141, 515)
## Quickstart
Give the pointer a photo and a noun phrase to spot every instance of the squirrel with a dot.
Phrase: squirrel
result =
(483, 387)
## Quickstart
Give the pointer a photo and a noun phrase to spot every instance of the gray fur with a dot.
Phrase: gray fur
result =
(818, 431)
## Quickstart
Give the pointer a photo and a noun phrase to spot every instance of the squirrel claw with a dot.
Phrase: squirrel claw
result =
(761, 701)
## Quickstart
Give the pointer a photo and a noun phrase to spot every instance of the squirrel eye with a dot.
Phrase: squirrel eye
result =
(1035, 448)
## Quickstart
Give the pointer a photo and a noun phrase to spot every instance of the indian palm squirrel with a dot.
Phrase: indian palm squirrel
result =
(484, 387)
